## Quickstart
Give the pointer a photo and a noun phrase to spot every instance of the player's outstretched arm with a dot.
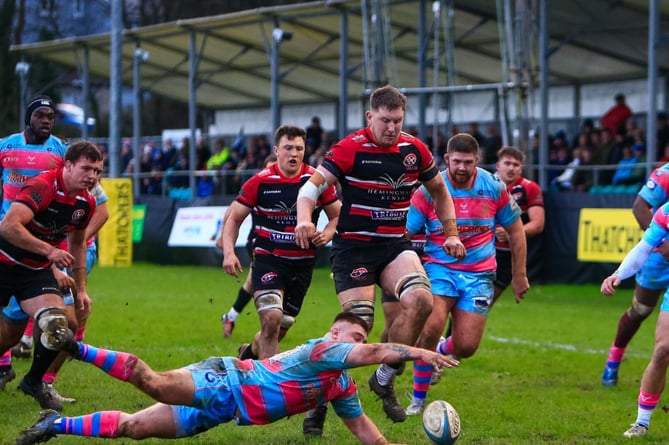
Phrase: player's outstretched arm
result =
(630, 265)
(377, 353)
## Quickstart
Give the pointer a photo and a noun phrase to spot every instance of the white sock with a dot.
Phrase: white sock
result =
(385, 374)
(27, 340)
(232, 314)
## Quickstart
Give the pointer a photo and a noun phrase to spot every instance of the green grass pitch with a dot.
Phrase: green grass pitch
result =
(534, 380)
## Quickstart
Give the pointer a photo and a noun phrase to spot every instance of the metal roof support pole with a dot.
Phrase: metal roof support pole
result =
(449, 46)
(274, 87)
(192, 108)
(136, 115)
(342, 112)
(506, 63)
(115, 89)
(522, 34)
(422, 71)
(22, 69)
(436, 10)
(651, 114)
(544, 64)
(85, 91)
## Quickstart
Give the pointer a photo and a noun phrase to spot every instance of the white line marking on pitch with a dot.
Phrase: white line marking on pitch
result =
(563, 347)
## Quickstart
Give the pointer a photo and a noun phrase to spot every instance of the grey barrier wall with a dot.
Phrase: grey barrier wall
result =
(551, 258)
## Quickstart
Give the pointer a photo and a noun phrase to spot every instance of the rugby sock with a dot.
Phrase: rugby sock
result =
(385, 374)
(615, 357)
(6, 359)
(49, 378)
(100, 424)
(41, 361)
(79, 335)
(29, 330)
(115, 363)
(422, 373)
(446, 347)
(242, 300)
(232, 314)
(647, 403)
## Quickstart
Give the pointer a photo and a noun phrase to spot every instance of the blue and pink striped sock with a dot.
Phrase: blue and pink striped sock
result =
(446, 347)
(615, 357)
(6, 358)
(100, 424)
(422, 373)
(115, 363)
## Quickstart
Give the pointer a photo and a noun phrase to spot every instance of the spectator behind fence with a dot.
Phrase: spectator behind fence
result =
(616, 117)
(492, 145)
(564, 180)
(662, 133)
(583, 178)
(626, 173)
(314, 135)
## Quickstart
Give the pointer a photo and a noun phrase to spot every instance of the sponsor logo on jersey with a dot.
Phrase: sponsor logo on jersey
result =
(394, 215)
(400, 182)
(650, 184)
(358, 138)
(410, 161)
(16, 178)
(78, 214)
(282, 237)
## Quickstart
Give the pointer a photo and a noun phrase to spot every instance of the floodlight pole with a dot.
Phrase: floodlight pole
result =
(140, 56)
(22, 69)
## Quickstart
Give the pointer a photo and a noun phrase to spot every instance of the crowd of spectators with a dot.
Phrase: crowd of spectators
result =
(221, 170)
(615, 144)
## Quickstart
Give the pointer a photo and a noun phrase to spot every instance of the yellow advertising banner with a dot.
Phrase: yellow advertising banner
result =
(606, 235)
(115, 238)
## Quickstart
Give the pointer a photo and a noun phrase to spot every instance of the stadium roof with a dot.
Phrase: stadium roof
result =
(590, 41)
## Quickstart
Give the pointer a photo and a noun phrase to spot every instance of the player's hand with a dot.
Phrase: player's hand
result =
(232, 265)
(61, 258)
(609, 284)
(83, 303)
(438, 360)
(520, 286)
(64, 280)
(454, 247)
(501, 234)
(304, 233)
(322, 238)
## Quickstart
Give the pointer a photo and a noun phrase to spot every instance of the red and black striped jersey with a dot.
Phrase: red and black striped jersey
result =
(273, 198)
(56, 214)
(377, 183)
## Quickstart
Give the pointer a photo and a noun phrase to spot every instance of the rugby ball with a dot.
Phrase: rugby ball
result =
(441, 423)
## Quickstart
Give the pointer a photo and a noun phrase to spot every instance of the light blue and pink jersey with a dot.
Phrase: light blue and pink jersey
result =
(653, 275)
(478, 210)
(21, 161)
(293, 382)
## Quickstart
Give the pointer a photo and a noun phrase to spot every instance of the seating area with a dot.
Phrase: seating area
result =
(610, 189)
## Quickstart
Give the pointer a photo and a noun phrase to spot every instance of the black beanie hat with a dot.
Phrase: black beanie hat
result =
(35, 103)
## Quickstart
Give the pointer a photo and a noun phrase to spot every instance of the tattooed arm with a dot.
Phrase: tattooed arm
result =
(376, 353)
